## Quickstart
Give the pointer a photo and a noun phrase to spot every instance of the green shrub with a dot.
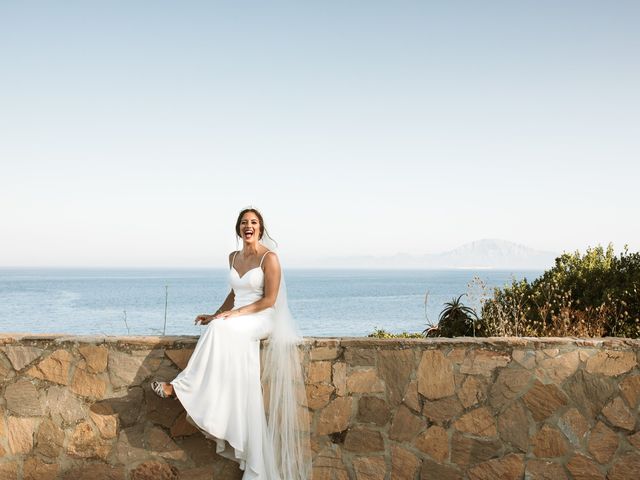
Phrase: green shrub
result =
(594, 294)
(382, 333)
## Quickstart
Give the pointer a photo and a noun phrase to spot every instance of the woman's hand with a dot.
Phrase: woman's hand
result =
(204, 319)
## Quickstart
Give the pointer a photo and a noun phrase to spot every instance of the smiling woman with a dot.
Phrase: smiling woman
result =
(221, 387)
(248, 224)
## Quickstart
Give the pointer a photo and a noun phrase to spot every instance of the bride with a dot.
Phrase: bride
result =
(221, 386)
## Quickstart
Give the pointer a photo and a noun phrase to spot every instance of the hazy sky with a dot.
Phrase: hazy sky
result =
(132, 133)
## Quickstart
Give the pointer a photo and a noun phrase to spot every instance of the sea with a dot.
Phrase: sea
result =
(324, 302)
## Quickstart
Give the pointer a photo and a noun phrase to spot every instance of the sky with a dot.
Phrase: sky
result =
(133, 133)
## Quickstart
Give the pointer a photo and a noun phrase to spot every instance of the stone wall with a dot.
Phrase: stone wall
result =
(510, 408)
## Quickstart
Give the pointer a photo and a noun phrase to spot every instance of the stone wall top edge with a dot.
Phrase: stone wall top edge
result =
(7, 338)
(493, 342)
(148, 340)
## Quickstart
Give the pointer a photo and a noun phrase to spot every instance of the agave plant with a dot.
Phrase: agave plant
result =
(456, 319)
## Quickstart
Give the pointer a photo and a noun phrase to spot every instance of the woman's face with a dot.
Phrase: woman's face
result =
(250, 228)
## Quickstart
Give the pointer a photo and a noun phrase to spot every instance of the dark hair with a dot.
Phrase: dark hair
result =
(260, 221)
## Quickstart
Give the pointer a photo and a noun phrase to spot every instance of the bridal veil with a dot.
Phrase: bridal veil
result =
(288, 428)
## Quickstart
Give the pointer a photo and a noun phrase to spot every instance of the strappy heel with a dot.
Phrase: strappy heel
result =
(156, 386)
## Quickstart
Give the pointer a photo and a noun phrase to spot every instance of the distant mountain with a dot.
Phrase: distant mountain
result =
(493, 253)
(480, 254)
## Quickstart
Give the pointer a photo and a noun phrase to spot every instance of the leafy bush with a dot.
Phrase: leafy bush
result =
(382, 333)
(592, 295)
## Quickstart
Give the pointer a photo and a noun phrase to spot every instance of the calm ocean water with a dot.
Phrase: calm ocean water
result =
(324, 302)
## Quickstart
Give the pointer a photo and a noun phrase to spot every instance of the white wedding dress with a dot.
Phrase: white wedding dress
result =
(220, 387)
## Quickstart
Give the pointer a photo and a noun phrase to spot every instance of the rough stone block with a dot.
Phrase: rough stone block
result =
(611, 362)
(603, 442)
(369, 468)
(363, 439)
(23, 399)
(509, 467)
(549, 443)
(95, 357)
(404, 464)
(483, 362)
(364, 380)
(543, 400)
(395, 368)
(21, 355)
(55, 368)
(335, 417)
(435, 375)
(434, 442)
(373, 410)
(405, 425)
(479, 422)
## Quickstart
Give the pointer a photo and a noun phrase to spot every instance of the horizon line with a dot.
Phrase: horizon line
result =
(153, 267)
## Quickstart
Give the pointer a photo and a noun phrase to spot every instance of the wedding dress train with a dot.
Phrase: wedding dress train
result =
(220, 387)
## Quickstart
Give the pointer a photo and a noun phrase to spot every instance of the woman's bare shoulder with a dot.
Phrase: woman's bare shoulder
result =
(270, 258)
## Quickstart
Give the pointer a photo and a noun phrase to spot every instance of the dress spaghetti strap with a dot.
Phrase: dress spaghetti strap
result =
(265, 254)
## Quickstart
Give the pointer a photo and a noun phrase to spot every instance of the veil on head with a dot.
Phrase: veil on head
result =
(288, 429)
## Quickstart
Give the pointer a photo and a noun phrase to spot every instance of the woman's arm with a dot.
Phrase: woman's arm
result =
(226, 305)
(272, 274)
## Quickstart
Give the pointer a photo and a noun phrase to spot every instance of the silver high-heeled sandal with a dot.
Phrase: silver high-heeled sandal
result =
(156, 386)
